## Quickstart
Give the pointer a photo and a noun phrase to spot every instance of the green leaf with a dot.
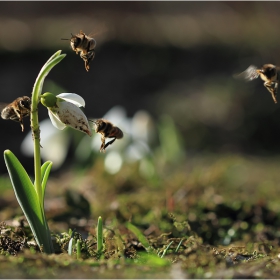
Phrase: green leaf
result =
(152, 259)
(99, 236)
(79, 249)
(45, 172)
(140, 236)
(28, 200)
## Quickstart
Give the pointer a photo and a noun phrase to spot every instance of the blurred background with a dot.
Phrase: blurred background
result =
(169, 59)
(166, 66)
(197, 142)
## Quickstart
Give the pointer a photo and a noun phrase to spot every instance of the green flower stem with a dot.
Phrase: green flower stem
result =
(37, 90)
(38, 184)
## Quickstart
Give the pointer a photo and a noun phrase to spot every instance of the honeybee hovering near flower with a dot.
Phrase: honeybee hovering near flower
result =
(107, 130)
(83, 45)
(17, 110)
(268, 73)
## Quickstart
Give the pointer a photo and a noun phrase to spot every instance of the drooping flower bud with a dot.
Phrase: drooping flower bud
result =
(64, 111)
(48, 99)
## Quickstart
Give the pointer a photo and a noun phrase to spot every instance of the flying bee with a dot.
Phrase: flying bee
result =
(107, 130)
(268, 73)
(17, 110)
(83, 45)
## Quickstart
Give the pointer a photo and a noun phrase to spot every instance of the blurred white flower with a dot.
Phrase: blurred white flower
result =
(55, 144)
(134, 146)
(113, 162)
(117, 116)
(64, 111)
(142, 126)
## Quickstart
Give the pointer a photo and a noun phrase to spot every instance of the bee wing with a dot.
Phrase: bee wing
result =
(7, 112)
(249, 74)
(3, 105)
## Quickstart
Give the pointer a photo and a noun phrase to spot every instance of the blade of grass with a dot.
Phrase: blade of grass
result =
(99, 236)
(177, 249)
(78, 249)
(140, 236)
(165, 250)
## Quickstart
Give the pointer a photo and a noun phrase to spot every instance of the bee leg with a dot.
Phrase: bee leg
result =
(84, 57)
(109, 143)
(102, 147)
(272, 88)
(20, 119)
(22, 126)
(87, 65)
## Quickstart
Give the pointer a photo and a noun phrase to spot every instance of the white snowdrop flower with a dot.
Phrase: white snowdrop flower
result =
(64, 111)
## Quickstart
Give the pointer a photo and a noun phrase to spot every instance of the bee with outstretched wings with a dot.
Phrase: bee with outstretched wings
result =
(268, 73)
